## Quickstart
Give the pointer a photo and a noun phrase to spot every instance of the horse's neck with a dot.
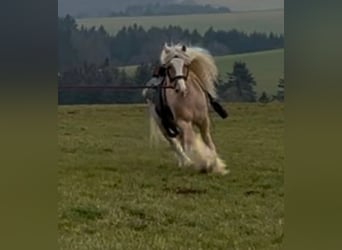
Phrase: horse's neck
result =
(195, 82)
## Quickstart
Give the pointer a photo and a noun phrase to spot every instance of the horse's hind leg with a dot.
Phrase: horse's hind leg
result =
(204, 128)
(217, 165)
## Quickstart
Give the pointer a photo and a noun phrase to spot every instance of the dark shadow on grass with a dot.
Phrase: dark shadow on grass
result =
(68, 150)
(109, 169)
(84, 213)
(251, 192)
(109, 150)
(185, 191)
(72, 112)
(254, 192)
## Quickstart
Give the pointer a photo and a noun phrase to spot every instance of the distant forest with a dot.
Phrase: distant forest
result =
(92, 57)
(135, 45)
(158, 9)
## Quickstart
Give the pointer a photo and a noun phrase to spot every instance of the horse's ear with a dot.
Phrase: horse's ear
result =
(166, 48)
(184, 48)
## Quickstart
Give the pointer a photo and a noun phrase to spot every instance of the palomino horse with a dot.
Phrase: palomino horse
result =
(192, 72)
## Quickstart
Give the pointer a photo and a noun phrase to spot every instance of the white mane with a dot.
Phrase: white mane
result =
(201, 63)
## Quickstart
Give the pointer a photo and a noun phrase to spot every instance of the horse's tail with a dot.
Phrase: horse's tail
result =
(217, 107)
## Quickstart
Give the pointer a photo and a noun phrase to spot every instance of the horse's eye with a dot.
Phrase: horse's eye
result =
(171, 70)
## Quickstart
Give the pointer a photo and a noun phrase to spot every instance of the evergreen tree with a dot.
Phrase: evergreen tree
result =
(281, 90)
(66, 50)
(240, 85)
(264, 98)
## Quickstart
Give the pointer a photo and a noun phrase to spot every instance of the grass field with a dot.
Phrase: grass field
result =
(266, 66)
(117, 193)
(262, 21)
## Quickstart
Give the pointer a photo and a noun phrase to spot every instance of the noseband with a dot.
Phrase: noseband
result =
(179, 77)
(173, 79)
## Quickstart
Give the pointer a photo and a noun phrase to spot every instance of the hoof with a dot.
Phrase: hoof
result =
(187, 162)
(220, 167)
(224, 172)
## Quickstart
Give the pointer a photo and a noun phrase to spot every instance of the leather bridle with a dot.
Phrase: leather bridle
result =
(164, 71)
(175, 78)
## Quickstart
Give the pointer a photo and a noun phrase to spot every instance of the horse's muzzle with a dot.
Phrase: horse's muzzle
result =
(180, 86)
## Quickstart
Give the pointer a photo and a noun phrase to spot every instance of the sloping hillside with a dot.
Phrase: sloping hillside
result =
(246, 5)
(266, 66)
(262, 21)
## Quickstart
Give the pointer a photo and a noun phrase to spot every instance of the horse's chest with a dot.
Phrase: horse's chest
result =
(187, 107)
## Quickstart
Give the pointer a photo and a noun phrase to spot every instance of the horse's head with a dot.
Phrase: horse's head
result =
(177, 65)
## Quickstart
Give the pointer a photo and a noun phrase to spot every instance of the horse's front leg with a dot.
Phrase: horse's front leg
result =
(183, 159)
(187, 136)
(175, 144)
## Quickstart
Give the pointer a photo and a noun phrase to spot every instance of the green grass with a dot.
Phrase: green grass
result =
(118, 193)
(266, 66)
(262, 21)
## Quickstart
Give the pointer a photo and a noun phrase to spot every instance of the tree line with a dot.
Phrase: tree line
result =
(136, 45)
(84, 84)
(238, 87)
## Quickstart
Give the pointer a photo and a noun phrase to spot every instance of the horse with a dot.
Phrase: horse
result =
(190, 73)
